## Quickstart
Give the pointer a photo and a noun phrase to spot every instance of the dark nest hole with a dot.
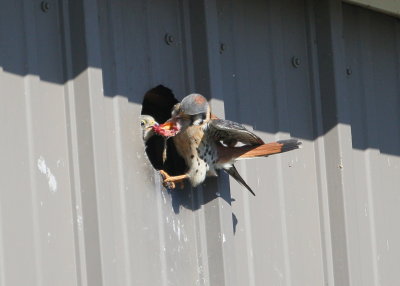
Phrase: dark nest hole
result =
(158, 103)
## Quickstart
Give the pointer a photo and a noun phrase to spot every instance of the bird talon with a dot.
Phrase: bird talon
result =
(169, 185)
(164, 175)
(169, 181)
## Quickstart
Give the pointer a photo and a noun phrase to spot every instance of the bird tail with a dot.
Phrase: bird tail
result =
(235, 174)
(247, 152)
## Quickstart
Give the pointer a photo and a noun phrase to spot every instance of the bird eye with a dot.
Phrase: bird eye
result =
(142, 123)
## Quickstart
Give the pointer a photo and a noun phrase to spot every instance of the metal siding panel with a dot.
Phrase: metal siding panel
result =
(216, 194)
(163, 246)
(389, 6)
(279, 229)
(14, 232)
(81, 205)
(372, 54)
(337, 147)
(38, 235)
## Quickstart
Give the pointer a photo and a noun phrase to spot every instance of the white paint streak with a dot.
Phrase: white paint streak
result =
(173, 226)
(223, 238)
(179, 231)
(60, 163)
(79, 221)
(51, 179)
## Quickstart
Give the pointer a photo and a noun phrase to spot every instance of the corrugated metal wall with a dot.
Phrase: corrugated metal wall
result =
(81, 205)
(372, 44)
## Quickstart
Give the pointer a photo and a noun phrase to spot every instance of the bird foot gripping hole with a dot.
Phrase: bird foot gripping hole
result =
(169, 181)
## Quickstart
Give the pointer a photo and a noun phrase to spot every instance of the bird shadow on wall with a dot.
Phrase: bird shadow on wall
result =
(158, 103)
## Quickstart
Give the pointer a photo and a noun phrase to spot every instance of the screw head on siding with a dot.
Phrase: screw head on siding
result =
(45, 6)
(169, 39)
(296, 62)
(349, 71)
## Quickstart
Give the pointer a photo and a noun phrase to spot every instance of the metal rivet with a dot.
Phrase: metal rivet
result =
(296, 62)
(222, 48)
(45, 6)
(169, 39)
(349, 71)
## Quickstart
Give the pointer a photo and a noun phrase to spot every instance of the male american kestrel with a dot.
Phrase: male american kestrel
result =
(197, 137)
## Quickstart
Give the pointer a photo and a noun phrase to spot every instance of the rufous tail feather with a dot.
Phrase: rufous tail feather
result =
(247, 152)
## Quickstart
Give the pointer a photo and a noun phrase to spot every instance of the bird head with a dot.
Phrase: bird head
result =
(192, 110)
(147, 124)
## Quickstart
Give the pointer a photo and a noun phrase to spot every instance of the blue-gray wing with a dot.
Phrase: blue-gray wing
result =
(231, 132)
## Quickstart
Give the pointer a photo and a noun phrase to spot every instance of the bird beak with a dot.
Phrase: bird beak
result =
(168, 129)
(153, 124)
(168, 125)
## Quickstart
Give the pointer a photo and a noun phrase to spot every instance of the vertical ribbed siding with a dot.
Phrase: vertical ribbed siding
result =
(372, 54)
(156, 232)
(264, 90)
(81, 205)
(37, 220)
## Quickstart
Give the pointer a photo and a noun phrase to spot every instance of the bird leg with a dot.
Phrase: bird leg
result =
(169, 181)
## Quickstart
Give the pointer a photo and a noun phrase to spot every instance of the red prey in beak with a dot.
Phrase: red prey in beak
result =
(168, 129)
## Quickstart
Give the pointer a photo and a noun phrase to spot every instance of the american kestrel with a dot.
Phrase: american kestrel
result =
(156, 147)
(147, 124)
(197, 137)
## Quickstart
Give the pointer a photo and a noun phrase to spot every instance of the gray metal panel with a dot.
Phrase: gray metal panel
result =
(279, 229)
(372, 55)
(157, 238)
(81, 205)
(37, 209)
(334, 146)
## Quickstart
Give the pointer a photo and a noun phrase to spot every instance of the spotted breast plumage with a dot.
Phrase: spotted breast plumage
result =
(208, 144)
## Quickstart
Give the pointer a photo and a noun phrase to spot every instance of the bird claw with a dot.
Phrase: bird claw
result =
(166, 184)
(169, 181)
(169, 185)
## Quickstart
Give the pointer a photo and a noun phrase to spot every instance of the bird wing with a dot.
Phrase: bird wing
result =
(235, 174)
(229, 131)
(226, 154)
